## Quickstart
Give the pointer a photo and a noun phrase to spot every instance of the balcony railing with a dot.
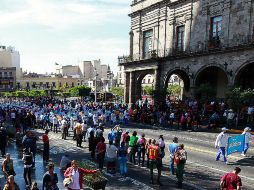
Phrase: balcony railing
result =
(6, 78)
(199, 48)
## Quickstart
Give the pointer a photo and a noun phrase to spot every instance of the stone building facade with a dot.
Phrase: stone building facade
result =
(7, 79)
(207, 42)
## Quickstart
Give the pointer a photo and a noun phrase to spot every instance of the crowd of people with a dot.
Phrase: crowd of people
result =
(88, 121)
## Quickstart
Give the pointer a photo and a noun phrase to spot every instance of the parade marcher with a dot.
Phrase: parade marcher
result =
(248, 138)
(221, 143)
(155, 159)
(77, 175)
(3, 141)
(11, 184)
(101, 150)
(133, 147)
(180, 160)
(50, 179)
(28, 162)
(111, 156)
(172, 148)
(141, 144)
(122, 157)
(45, 140)
(7, 166)
(231, 181)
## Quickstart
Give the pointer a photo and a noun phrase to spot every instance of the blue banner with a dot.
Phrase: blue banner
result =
(235, 144)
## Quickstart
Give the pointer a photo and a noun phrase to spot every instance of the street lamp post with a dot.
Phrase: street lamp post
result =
(95, 89)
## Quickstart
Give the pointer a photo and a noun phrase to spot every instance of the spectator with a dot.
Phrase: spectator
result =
(3, 141)
(8, 168)
(50, 179)
(11, 184)
(231, 181)
(28, 162)
(77, 175)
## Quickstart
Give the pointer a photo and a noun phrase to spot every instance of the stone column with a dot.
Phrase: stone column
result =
(131, 43)
(132, 88)
(126, 87)
(159, 97)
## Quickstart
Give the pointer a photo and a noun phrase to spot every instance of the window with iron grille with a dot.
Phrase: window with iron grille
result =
(216, 24)
(147, 46)
(180, 38)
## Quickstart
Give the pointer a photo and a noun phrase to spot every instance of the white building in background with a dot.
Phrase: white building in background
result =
(9, 57)
(86, 69)
(71, 70)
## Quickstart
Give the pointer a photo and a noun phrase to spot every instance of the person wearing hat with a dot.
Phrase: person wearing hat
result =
(221, 143)
(248, 137)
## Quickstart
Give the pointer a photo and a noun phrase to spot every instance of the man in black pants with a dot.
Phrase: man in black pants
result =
(3, 140)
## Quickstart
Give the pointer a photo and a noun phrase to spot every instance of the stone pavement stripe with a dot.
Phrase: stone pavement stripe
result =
(222, 171)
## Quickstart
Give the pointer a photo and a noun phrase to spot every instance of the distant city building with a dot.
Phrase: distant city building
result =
(7, 79)
(46, 82)
(9, 57)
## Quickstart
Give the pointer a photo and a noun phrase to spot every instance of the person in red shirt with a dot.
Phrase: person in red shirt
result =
(101, 150)
(231, 181)
(126, 138)
(77, 175)
(45, 140)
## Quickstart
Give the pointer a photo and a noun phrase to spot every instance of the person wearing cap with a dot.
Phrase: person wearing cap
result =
(231, 180)
(248, 137)
(172, 148)
(221, 143)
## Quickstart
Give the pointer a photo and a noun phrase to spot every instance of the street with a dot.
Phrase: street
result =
(202, 171)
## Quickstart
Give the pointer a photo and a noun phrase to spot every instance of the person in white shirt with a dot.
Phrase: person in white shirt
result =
(111, 155)
(221, 143)
(248, 138)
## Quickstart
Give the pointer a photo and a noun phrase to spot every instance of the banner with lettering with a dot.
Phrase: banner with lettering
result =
(235, 144)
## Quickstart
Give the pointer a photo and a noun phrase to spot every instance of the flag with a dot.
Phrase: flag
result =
(235, 144)
(56, 63)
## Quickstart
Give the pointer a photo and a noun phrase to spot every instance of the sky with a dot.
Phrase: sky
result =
(65, 31)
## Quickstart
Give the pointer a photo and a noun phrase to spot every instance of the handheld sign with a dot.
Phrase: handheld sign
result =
(235, 144)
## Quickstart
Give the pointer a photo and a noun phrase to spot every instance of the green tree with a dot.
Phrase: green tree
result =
(119, 91)
(205, 92)
(21, 93)
(174, 89)
(78, 90)
(148, 90)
